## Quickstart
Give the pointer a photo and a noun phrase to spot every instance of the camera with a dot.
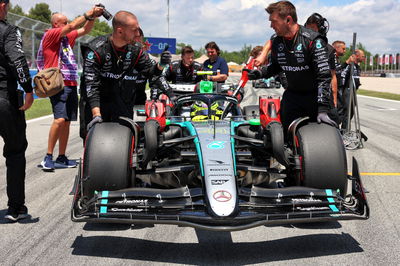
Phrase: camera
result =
(107, 15)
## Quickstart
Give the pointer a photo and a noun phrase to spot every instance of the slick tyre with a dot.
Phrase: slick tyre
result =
(107, 157)
(151, 131)
(324, 162)
(251, 111)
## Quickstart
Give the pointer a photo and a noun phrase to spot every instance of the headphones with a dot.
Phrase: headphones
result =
(322, 23)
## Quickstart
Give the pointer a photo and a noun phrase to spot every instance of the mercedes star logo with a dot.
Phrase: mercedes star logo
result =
(222, 196)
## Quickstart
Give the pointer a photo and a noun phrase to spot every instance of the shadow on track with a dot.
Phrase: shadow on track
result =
(216, 248)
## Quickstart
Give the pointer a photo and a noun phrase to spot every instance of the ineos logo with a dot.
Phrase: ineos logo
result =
(222, 196)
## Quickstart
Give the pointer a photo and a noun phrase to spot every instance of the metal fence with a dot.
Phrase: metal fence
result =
(32, 32)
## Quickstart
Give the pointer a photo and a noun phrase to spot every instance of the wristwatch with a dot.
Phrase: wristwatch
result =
(87, 17)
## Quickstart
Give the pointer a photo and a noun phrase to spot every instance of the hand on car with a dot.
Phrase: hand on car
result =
(323, 117)
(95, 120)
(253, 74)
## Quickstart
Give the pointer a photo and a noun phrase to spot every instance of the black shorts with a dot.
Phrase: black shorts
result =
(65, 104)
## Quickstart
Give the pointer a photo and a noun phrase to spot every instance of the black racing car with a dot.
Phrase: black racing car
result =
(212, 165)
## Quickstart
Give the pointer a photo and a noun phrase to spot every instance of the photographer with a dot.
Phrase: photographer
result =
(55, 50)
(13, 69)
(108, 80)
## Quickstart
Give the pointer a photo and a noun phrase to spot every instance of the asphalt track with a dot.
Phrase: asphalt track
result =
(49, 237)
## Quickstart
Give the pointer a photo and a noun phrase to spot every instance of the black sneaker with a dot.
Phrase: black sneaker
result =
(63, 162)
(14, 214)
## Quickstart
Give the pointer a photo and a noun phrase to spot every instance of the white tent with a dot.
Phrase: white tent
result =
(201, 59)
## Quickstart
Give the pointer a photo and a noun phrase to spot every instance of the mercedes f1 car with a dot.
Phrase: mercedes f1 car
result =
(266, 83)
(212, 165)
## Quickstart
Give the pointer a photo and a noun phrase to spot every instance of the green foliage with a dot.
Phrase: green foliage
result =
(16, 10)
(40, 12)
(238, 57)
(100, 28)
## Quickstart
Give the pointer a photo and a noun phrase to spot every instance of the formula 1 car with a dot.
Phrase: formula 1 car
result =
(214, 166)
(266, 83)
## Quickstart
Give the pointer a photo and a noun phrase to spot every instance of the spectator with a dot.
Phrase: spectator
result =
(303, 56)
(56, 51)
(319, 24)
(108, 77)
(184, 71)
(215, 63)
(13, 69)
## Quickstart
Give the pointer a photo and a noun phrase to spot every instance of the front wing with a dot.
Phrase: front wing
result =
(257, 206)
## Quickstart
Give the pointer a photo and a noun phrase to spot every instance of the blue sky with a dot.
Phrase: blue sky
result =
(233, 23)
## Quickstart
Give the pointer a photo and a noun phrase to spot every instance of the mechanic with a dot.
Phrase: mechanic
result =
(321, 25)
(184, 71)
(357, 58)
(55, 50)
(108, 76)
(340, 50)
(13, 69)
(215, 63)
(303, 56)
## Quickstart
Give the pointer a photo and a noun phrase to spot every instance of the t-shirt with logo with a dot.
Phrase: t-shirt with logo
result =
(220, 64)
(51, 48)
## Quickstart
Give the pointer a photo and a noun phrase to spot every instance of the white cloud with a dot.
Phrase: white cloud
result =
(233, 23)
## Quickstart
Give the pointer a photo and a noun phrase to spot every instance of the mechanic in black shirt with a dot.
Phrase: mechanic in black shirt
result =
(184, 71)
(340, 50)
(13, 69)
(318, 23)
(108, 78)
(357, 58)
(303, 56)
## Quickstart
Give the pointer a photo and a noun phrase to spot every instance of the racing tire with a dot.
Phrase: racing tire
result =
(324, 163)
(251, 111)
(151, 131)
(107, 158)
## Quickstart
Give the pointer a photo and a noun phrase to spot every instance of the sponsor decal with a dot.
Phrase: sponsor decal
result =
(300, 60)
(312, 208)
(139, 201)
(306, 200)
(219, 182)
(280, 47)
(211, 130)
(219, 169)
(318, 44)
(222, 196)
(217, 161)
(128, 55)
(295, 68)
(126, 210)
(299, 55)
(90, 55)
(299, 47)
(216, 145)
(108, 57)
(281, 54)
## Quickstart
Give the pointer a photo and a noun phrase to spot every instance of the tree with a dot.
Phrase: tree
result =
(100, 28)
(40, 12)
(16, 10)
